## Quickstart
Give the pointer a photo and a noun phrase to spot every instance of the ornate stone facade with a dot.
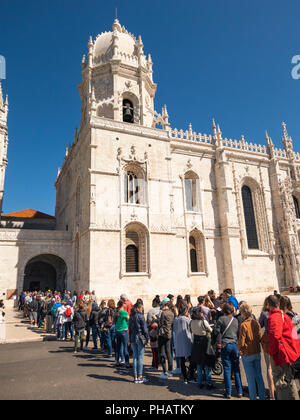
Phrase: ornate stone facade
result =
(143, 208)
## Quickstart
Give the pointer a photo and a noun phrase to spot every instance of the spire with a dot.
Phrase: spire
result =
(214, 128)
(270, 145)
(116, 25)
(287, 143)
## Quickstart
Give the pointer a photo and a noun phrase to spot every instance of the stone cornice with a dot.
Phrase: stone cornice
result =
(127, 128)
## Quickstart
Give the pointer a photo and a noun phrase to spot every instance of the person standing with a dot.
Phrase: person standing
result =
(139, 338)
(164, 338)
(227, 328)
(68, 324)
(80, 320)
(263, 321)
(122, 318)
(201, 330)
(61, 322)
(231, 299)
(110, 327)
(249, 347)
(94, 323)
(284, 350)
(183, 339)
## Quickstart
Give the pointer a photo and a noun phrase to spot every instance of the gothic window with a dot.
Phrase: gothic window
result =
(297, 208)
(136, 249)
(249, 215)
(128, 111)
(191, 186)
(134, 186)
(197, 252)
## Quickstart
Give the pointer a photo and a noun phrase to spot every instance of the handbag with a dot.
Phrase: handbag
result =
(143, 339)
(210, 351)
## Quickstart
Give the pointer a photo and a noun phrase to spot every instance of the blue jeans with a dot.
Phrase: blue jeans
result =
(96, 333)
(122, 339)
(252, 368)
(207, 373)
(110, 340)
(61, 331)
(230, 356)
(138, 356)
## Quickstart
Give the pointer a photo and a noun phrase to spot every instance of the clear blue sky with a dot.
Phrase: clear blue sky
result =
(228, 59)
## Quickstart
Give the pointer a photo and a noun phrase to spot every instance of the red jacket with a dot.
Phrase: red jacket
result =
(283, 344)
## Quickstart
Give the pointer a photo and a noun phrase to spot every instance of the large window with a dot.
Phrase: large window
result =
(249, 215)
(191, 186)
(134, 185)
(197, 252)
(136, 249)
(297, 208)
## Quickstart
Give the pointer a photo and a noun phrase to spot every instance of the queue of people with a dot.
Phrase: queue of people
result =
(192, 337)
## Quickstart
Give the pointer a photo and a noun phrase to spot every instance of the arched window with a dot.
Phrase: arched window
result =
(132, 259)
(249, 218)
(191, 187)
(134, 185)
(297, 208)
(197, 252)
(136, 249)
(128, 111)
(193, 255)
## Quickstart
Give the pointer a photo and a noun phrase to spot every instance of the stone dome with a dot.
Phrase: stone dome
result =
(127, 45)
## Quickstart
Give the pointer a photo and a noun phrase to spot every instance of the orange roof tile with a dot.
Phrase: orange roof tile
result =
(29, 214)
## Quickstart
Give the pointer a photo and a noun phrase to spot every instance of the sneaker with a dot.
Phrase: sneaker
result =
(176, 371)
(170, 374)
(143, 380)
(136, 381)
(186, 382)
(164, 376)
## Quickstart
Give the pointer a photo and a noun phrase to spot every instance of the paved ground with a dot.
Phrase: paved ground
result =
(50, 370)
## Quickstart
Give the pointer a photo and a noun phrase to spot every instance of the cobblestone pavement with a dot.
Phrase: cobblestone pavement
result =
(50, 370)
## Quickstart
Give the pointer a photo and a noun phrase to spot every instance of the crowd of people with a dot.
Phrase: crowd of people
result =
(193, 337)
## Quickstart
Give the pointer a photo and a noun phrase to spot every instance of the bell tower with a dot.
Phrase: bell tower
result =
(117, 79)
(3, 143)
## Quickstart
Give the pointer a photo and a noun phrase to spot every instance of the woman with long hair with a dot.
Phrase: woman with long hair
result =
(122, 318)
(201, 331)
(263, 321)
(139, 337)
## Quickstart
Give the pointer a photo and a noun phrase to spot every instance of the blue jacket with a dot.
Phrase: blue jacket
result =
(234, 301)
(137, 327)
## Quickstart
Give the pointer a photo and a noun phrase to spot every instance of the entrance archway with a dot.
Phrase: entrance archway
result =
(45, 272)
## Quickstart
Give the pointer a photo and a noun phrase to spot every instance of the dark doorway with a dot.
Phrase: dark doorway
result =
(45, 272)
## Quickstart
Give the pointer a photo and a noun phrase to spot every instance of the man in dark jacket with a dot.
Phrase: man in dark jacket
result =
(94, 323)
(164, 338)
(80, 320)
(33, 311)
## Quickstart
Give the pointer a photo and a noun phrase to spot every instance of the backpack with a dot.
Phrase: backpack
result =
(68, 312)
(109, 318)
